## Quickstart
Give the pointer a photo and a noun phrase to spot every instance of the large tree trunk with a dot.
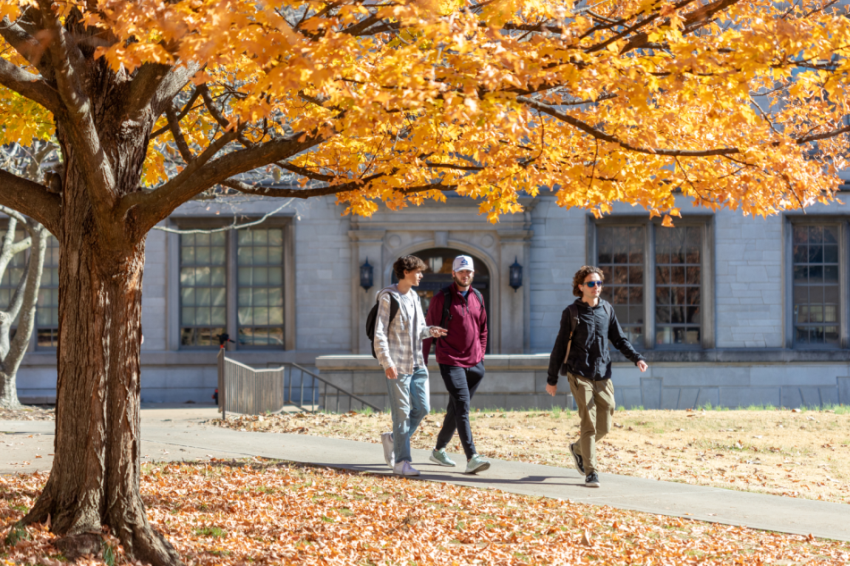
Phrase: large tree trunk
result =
(95, 477)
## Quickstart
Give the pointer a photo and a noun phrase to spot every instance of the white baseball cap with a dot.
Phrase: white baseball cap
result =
(463, 262)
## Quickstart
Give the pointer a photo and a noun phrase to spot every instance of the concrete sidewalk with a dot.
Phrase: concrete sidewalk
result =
(176, 437)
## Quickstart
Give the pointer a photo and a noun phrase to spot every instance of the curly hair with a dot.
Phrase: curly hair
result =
(408, 263)
(582, 274)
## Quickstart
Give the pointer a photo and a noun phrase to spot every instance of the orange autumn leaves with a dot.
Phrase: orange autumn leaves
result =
(265, 513)
(731, 103)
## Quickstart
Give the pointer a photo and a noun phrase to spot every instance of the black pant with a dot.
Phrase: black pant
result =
(461, 384)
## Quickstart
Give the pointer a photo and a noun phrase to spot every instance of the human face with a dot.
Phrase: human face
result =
(413, 277)
(589, 292)
(463, 278)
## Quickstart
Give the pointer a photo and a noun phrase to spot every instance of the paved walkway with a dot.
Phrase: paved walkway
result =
(177, 434)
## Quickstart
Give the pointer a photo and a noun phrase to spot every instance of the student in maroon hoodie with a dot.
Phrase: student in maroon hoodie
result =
(461, 357)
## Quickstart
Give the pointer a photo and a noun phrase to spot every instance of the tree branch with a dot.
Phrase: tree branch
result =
(172, 84)
(177, 133)
(29, 86)
(31, 199)
(823, 136)
(25, 44)
(201, 175)
(143, 88)
(35, 267)
(96, 168)
(600, 135)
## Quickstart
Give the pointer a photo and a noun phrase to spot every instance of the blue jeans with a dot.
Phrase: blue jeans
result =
(409, 402)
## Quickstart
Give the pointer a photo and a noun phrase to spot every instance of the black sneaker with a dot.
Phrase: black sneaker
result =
(592, 480)
(577, 459)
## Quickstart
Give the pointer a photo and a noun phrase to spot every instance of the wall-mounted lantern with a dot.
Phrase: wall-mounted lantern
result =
(516, 275)
(366, 275)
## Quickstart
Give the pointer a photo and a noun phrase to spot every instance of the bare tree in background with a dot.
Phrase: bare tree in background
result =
(32, 162)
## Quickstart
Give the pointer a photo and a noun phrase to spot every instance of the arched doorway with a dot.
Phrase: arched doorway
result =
(439, 275)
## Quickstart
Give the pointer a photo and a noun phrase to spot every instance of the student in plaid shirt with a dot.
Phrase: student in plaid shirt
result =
(398, 345)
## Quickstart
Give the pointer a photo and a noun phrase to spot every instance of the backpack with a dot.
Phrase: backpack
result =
(447, 303)
(371, 320)
(573, 323)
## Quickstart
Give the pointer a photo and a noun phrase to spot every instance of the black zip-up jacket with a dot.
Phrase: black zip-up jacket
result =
(589, 354)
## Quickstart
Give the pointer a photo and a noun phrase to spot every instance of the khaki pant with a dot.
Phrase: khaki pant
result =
(595, 403)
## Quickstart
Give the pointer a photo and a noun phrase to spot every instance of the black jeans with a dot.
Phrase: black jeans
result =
(461, 384)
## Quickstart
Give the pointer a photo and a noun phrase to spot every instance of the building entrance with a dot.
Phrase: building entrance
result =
(439, 275)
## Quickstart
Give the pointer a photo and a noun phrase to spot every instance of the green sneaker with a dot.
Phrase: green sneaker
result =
(477, 464)
(440, 457)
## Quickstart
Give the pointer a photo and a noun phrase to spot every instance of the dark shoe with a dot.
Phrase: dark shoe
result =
(577, 459)
(592, 480)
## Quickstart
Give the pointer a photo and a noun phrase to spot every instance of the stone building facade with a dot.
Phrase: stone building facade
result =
(729, 310)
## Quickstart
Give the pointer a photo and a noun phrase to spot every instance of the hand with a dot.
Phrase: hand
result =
(437, 332)
(391, 373)
(642, 366)
(551, 389)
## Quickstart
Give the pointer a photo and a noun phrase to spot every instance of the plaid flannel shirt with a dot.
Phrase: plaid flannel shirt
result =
(393, 345)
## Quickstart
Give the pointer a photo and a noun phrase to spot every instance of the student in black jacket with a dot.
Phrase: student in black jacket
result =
(586, 328)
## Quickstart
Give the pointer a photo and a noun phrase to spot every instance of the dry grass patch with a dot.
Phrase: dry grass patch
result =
(796, 454)
(272, 513)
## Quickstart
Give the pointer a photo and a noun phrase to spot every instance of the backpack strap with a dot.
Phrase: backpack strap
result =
(573, 310)
(447, 305)
(479, 295)
(393, 308)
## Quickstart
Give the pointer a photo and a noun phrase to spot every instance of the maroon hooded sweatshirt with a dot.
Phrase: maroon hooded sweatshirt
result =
(466, 342)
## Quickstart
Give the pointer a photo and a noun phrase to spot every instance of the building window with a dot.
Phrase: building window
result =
(621, 258)
(260, 282)
(235, 282)
(678, 277)
(47, 309)
(655, 279)
(816, 293)
(203, 290)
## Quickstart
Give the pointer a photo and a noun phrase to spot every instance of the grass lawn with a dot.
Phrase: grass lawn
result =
(783, 452)
(263, 512)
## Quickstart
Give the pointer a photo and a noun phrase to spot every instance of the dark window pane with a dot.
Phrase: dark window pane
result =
(815, 234)
(800, 274)
(662, 296)
(830, 274)
(621, 275)
(801, 254)
(830, 234)
(636, 296)
(662, 315)
(830, 254)
(693, 295)
(801, 235)
(636, 275)
(815, 254)
(815, 274)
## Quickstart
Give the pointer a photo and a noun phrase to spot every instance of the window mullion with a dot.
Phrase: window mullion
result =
(649, 286)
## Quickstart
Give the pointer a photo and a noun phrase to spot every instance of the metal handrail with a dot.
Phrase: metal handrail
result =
(243, 389)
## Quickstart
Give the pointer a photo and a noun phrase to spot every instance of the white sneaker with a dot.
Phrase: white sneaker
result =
(387, 442)
(404, 468)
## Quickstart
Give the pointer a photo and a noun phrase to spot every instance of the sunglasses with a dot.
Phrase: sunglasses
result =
(593, 284)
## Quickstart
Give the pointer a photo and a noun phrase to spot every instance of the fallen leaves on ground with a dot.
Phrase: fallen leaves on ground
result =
(275, 513)
(782, 452)
(28, 413)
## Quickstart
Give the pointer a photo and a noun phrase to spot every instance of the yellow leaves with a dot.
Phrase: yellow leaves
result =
(443, 81)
